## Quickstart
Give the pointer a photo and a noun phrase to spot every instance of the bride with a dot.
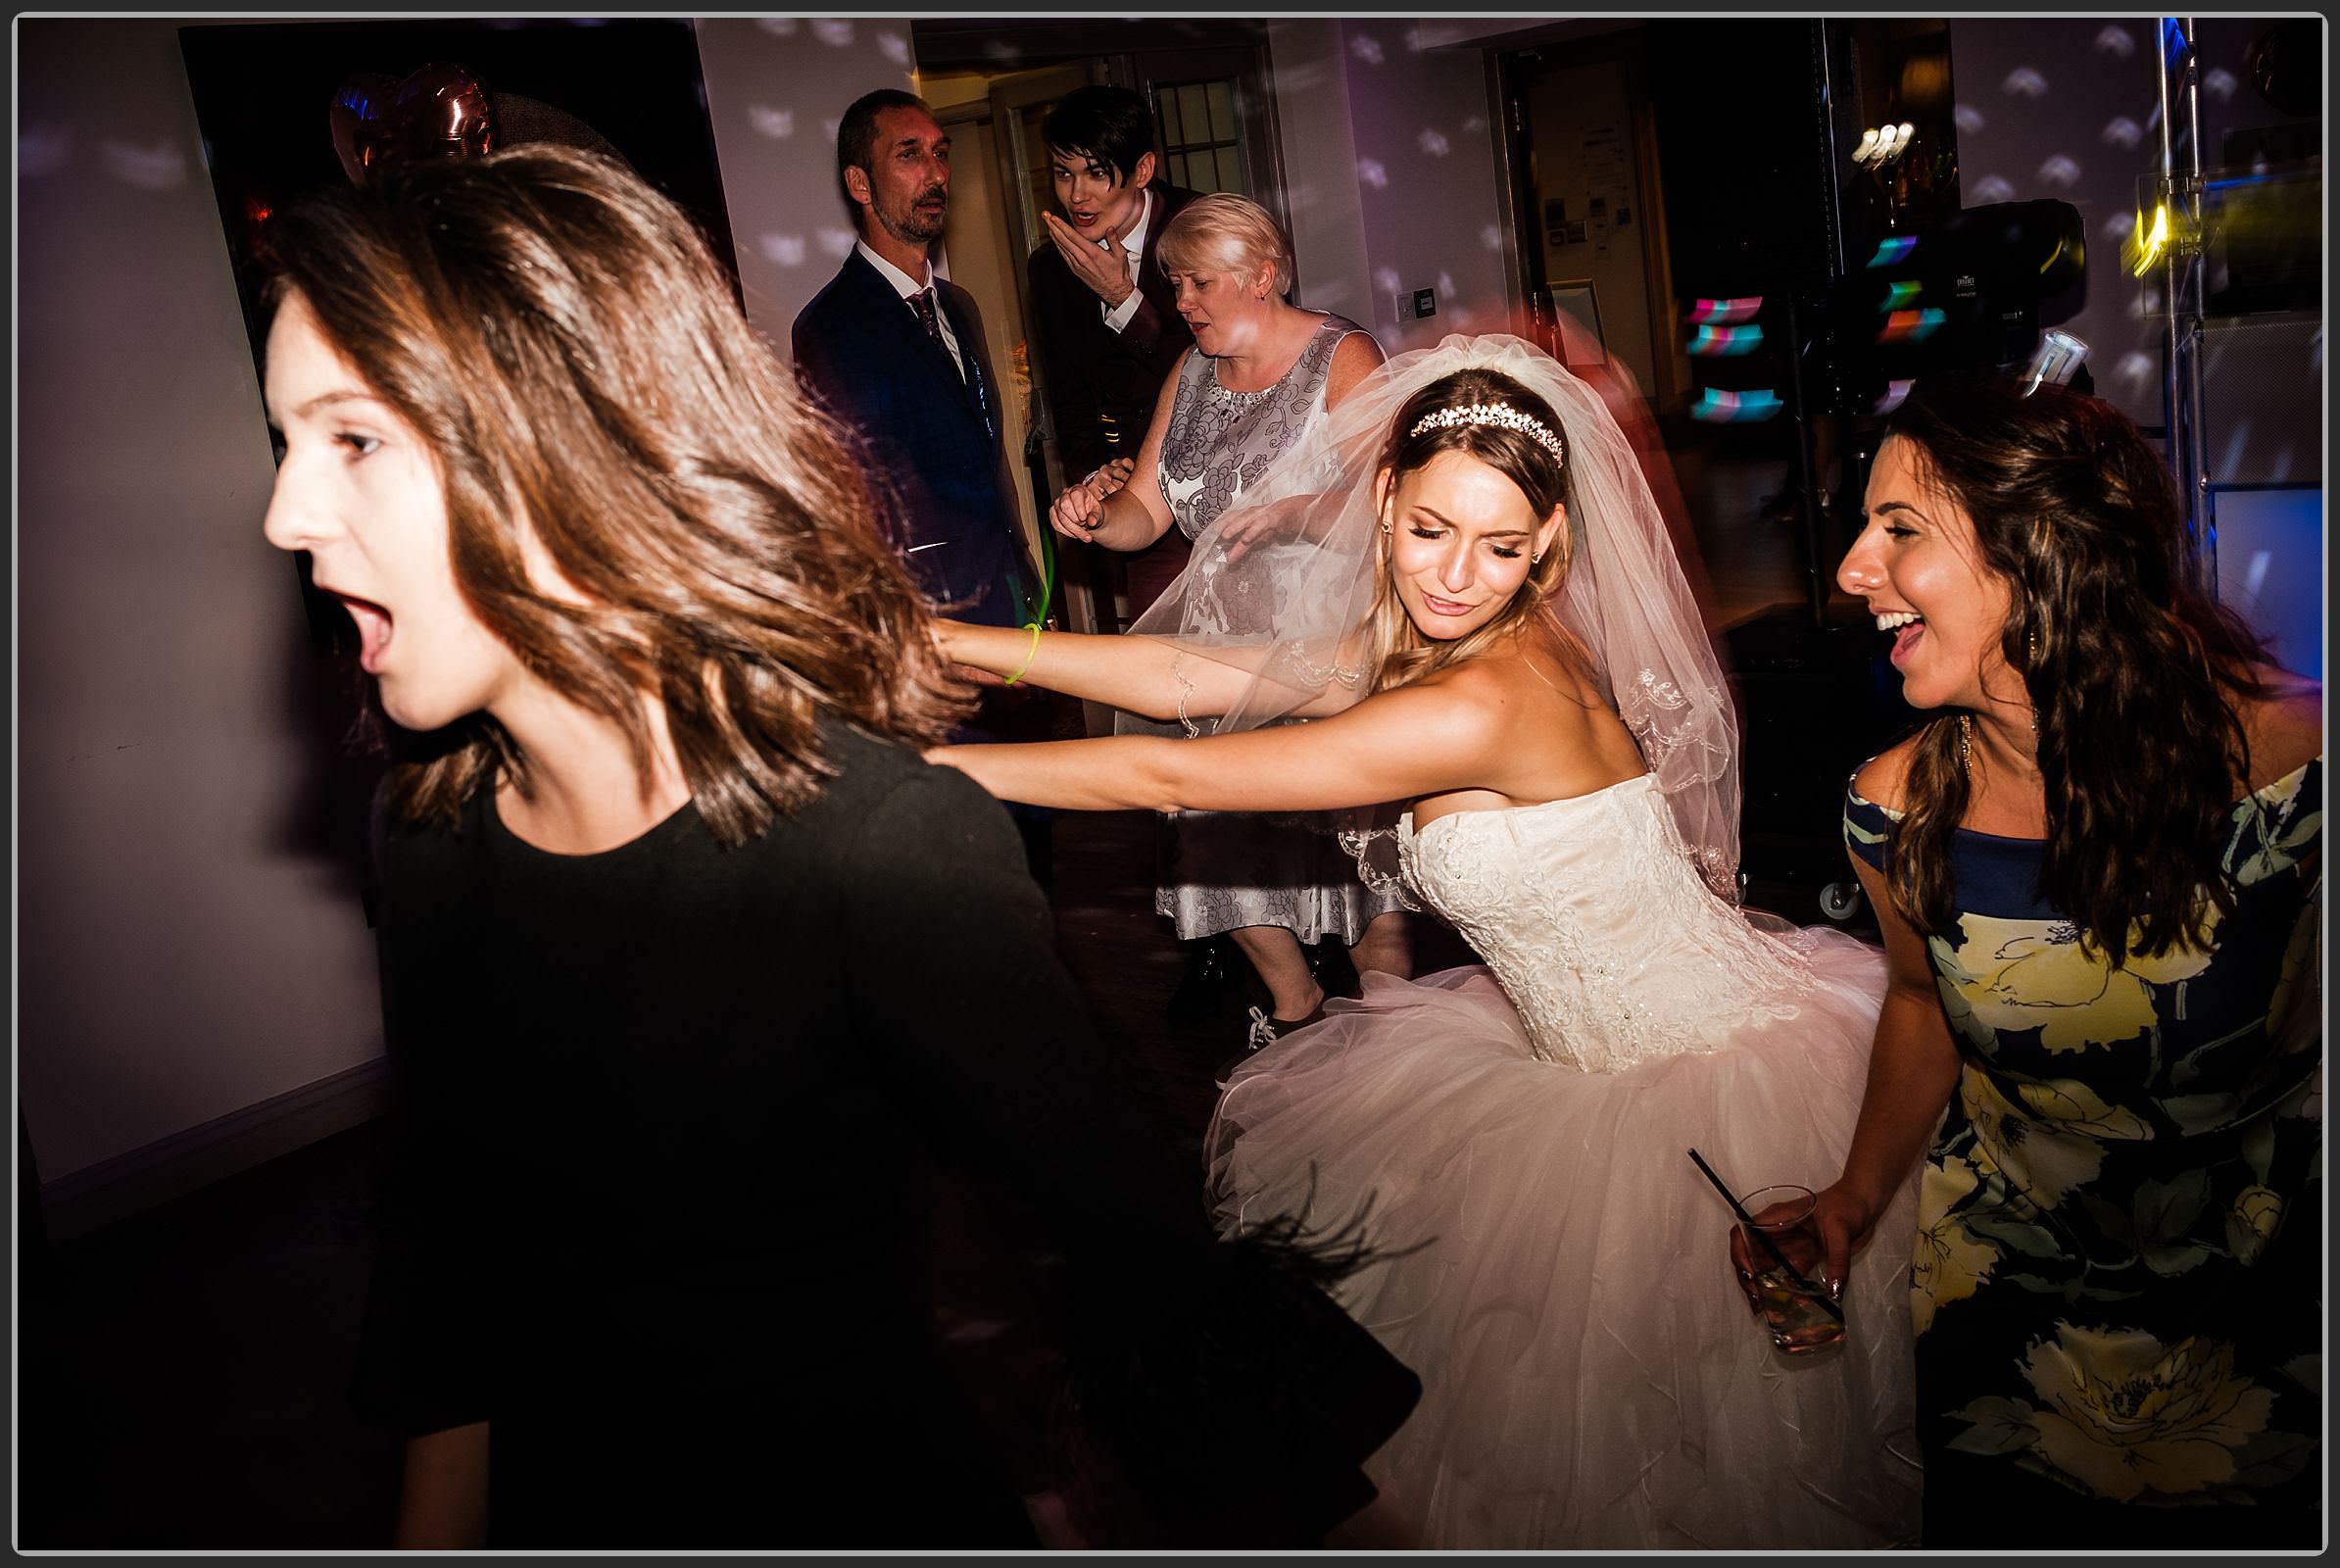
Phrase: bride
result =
(1462, 579)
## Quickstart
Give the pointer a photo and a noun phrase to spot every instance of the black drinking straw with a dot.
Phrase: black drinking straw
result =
(1756, 1231)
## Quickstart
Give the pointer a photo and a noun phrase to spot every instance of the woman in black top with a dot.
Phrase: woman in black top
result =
(691, 968)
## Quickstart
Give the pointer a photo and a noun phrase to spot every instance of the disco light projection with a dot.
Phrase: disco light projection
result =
(835, 33)
(1895, 392)
(895, 47)
(782, 250)
(1967, 119)
(2059, 172)
(1367, 48)
(1899, 294)
(2025, 82)
(2122, 131)
(1910, 327)
(778, 124)
(1371, 171)
(1434, 143)
(1724, 342)
(2115, 40)
(1894, 251)
(1734, 407)
(1725, 313)
(2218, 84)
(1992, 190)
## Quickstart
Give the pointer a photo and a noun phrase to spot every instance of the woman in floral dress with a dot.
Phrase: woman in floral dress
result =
(2098, 870)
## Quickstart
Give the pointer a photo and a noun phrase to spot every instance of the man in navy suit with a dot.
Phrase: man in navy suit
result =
(898, 353)
(1106, 318)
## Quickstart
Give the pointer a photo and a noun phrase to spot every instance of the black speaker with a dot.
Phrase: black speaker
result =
(1743, 110)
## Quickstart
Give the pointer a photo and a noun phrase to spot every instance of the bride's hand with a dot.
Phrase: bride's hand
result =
(1843, 1230)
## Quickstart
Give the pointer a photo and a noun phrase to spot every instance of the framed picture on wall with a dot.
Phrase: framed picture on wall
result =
(1576, 312)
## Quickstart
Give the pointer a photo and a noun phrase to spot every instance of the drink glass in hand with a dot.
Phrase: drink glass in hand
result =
(1794, 1313)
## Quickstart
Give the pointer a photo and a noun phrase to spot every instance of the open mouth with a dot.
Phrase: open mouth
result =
(373, 629)
(1907, 626)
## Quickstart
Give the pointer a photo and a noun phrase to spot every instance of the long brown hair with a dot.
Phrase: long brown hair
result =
(574, 359)
(1402, 655)
(2132, 670)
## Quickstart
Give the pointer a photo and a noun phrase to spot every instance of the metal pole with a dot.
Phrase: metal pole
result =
(2183, 279)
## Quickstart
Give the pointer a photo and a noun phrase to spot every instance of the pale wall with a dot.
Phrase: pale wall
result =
(1391, 166)
(190, 939)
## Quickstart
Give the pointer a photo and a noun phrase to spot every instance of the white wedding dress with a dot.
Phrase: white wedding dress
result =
(1551, 1263)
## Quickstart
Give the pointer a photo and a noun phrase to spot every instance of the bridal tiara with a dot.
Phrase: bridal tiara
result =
(1497, 413)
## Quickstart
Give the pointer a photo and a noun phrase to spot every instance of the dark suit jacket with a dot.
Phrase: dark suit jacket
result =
(1093, 372)
(931, 441)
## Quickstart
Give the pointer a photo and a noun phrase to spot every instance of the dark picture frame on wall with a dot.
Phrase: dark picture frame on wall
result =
(265, 93)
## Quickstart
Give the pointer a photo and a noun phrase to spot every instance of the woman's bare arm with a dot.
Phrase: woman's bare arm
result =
(1397, 746)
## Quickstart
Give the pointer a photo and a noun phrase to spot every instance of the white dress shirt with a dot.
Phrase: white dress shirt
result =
(1133, 245)
(905, 285)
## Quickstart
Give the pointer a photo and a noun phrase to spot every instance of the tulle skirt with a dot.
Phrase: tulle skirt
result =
(1556, 1269)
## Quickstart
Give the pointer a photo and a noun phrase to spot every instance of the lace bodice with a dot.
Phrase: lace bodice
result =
(1608, 943)
(1220, 441)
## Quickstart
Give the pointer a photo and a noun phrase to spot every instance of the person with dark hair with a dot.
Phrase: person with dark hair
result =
(1462, 580)
(2098, 866)
(693, 972)
(1105, 318)
(897, 352)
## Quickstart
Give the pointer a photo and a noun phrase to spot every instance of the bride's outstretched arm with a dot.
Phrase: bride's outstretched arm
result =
(1397, 746)
(1153, 677)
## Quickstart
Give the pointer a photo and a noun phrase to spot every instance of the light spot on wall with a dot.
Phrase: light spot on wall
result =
(833, 31)
(162, 166)
(783, 250)
(895, 47)
(2316, 352)
(43, 150)
(1475, 125)
(1416, 41)
(2059, 172)
(1387, 280)
(1990, 188)
(2136, 370)
(2278, 467)
(837, 243)
(1491, 237)
(1434, 143)
(2123, 131)
(2025, 82)
(2117, 225)
(828, 131)
(2115, 40)
(1967, 118)
(2219, 83)
(777, 124)
(1366, 47)
(778, 26)
(1445, 286)
(1373, 173)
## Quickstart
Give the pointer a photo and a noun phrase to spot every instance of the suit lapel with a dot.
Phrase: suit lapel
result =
(977, 385)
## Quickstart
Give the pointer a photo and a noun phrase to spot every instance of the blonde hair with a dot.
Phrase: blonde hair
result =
(1224, 233)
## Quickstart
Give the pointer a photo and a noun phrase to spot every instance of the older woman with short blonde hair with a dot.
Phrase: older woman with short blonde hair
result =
(1262, 372)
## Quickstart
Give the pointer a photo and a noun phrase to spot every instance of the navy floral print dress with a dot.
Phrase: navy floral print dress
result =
(2117, 1279)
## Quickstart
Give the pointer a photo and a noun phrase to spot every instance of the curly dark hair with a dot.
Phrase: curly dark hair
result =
(2133, 669)
(569, 351)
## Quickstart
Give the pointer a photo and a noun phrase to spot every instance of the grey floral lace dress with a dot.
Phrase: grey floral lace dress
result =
(2117, 1280)
(1224, 870)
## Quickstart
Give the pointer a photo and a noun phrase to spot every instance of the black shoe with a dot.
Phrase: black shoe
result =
(1262, 1031)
